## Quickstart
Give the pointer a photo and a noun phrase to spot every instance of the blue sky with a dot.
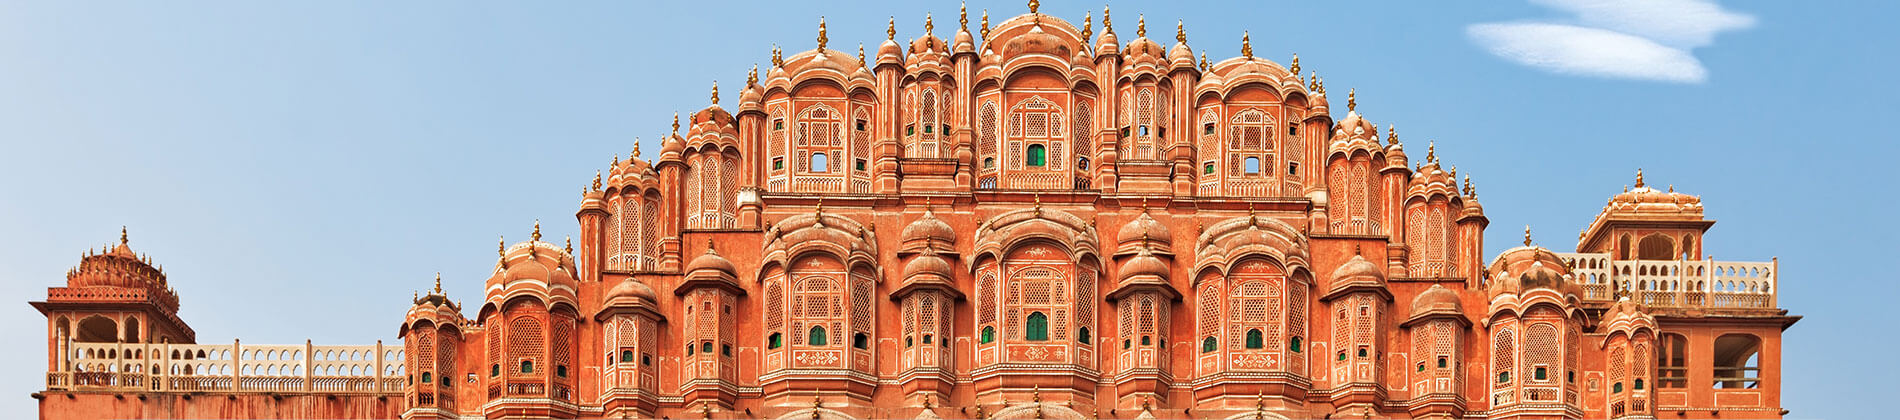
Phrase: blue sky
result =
(301, 167)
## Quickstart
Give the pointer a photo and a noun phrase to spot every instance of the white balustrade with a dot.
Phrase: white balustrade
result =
(1679, 283)
(234, 367)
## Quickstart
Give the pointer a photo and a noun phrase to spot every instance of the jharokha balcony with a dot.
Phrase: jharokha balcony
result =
(1703, 283)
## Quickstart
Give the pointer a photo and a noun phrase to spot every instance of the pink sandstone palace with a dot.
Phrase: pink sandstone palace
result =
(1031, 220)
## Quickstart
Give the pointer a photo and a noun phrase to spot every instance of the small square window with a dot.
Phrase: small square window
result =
(945, 129)
(1421, 366)
(910, 129)
(1144, 130)
(861, 125)
(1292, 130)
(910, 342)
(646, 359)
(778, 124)
(1207, 128)
(928, 339)
(1342, 355)
(860, 164)
(927, 129)
(1124, 131)
(1540, 373)
(725, 350)
(1292, 168)
(1362, 352)
(1442, 362)
(1208, 170)
(778, 163)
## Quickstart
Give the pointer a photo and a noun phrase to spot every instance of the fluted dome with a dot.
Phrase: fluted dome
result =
(711, 261)
(1037, 41)
(1357, 272)
(928, 229)
(631, 289)
(1437, 300)
(1143, 229)
(1145, 264)
(927, 267)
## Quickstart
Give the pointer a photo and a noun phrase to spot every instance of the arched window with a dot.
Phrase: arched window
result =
(774, 341)
(819, 163)
(527, 366)
(1737, 361)
(494, 370)
(861, 341)
(1036, 328)
(1037, 156)
(817, 337)
(1254, 339)
(1082, 335)
(1294, 344)
(626, 356)
(427, 377)
(989, 334)
(1209, 344)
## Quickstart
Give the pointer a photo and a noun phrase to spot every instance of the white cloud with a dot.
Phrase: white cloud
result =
(1634, 39)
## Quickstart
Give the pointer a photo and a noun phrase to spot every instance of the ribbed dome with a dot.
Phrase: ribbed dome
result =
(711, 261)
(1145, 264)
(1436, 300)
(929, 228)
(1356, 272)
(1037, 41)
(927, 266)
(1143, 228)
(631, 289)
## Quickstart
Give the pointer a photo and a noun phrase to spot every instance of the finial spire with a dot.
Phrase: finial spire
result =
(822, 39)
(752, 77)
(1431, 151)
(1088, 26)
(715, 93)
(1034, 4)
(986, 25)
(1391, 134)
(1468, 191)
(963, 16)
(1246, 44)
(438, 282)
(861, 55)
(124, 238)
(536, 236)
(567, 244)
(1180, 31)
(501, 248)
(1639, 177)
(778, 58)
(930, 24)
(1204, 63)
(676, 123)
(636, 148)
(890, 30)
(1352, 99)
(597, 178)
(1141, 26)
(1527, 235)
(1108, 27)
(1295, 70)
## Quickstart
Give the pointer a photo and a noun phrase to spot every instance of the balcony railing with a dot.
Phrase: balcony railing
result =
(1677, 283)
(233, 367)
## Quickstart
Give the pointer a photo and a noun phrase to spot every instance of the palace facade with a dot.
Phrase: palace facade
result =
(1028, 220)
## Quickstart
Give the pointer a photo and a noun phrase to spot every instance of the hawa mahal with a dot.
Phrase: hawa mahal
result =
(1028, 220)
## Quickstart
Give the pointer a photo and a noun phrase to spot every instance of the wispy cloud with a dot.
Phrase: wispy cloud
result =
(1632, 39)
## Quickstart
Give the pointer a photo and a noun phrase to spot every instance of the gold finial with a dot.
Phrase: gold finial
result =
(1468, 190)
(1204, 62)
(636, 149)
(963, 18)
(1527, 235)
(822, 39)
(1038, 197)
(1108, 27)
(124, 238)
(501, 248)
(1391, 134)
(536, 236)
(597, 178)
(890, 31)
(986, 25)
(1260, 406)
(568, 244)
(1088, 29)
(1295, 70)
(1180, 31)
(1312, 83)
(1319, 85)
(1141, 26)
(1639, 177)
(1352, 99)
(752, 77)
(1431, 151)
(1672, 188)
(930, 25)
(778, 59)
(715, 93)
(438, 282)
(861, 55)
(705, 410)
(1246, 45)
(1034, 4)
(676, 123)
